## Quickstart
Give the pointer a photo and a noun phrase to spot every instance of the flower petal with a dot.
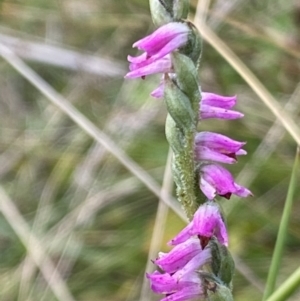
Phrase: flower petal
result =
(207, 112)
(159, 66)
(207, 154)
(218, 142)
(182, 236)
(209, 222)
(209, 190)
(194, 264)
(215, 100)
(214, 176)
(162, 36)
(179, 256)
(162, 283)
(187, 293)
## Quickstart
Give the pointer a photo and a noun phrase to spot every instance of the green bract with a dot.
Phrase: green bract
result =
(165, 11)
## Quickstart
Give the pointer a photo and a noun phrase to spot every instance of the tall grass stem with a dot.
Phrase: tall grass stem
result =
(87, 126)
(282, 232)
(287, 288)
(250, 79)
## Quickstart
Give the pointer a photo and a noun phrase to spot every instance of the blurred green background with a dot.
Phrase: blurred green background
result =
(92, 217)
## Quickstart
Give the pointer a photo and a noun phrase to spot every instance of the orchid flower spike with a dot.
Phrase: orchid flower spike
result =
(157, 48)
(216, 180)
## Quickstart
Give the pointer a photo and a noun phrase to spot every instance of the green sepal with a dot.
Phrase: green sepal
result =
(227, 266)
(187, 79)
(193, 47)
(166, 11)
(174, 135)
(179, 106)
(222, 262)
(176, 175)
(219, 293)
(216, 255)
(180, 9)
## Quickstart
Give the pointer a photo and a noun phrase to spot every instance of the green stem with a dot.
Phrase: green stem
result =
(186, 164)
(283, 228)
(287, 288)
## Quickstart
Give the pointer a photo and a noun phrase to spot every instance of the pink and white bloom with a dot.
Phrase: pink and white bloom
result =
(217, 106)
(163, 65)
(185, 283)
(207, 222)
(211, 105)
(179, 256)
(187, 287)
(211, 146)
(157, 48)
(216, 100)
(216, 180)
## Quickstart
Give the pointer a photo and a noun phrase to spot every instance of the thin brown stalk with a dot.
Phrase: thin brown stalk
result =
(34, 248)
(261, 91)
(86, 125)
(159, 227)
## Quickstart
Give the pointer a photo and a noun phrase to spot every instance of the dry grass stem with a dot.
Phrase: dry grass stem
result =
(34, 248)
(86, 125)
(159, 227)
(286, 120)
(60, 57)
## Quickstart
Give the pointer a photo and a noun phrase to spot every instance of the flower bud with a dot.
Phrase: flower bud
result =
(179, 106)
(165, 11)
(220, 293)
(222, 263)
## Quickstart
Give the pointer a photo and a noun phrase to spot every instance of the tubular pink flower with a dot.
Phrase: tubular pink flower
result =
(187, 293)
(211, 105)
(163, 283)
(163, 65)
(208, 154)
(207, 222)
(184, 283)
(183, 235)
(217, 106)
(216, 180)
(176, 288)
(208, 112)
(157, 47)
(193, 265)
(216, 147)
(179, 256)
(215, 100)
(162, 37)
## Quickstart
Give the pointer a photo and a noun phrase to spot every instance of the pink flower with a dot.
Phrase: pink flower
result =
(215, 100)
(157, 48)
(177, 289)
(216, 147)
(144, 68)
(179, 256)
(217, 106)
(216, 180)
(207, 222)
(211, 105)
(185, 283)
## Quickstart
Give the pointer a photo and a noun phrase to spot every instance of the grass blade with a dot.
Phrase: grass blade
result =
(87, 126)
(253, 82)
(287, 288)
(283, 228)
